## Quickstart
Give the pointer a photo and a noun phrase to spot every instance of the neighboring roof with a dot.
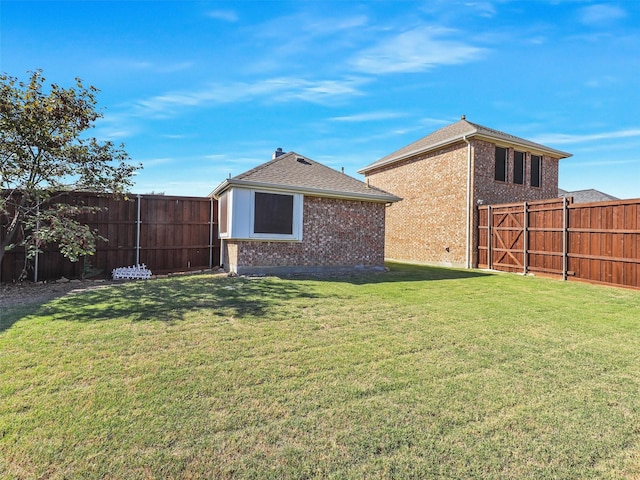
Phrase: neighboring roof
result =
(457, 132)
(292, 172)
(587, 196)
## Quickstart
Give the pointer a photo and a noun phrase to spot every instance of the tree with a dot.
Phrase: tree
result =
(44, 154)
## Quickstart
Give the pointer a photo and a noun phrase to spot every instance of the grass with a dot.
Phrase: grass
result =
(416, 373)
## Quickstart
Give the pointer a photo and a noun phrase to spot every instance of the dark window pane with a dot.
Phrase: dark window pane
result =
(222, 221)
(501, 164)
(536, 170)
(518, 167)
(273, 213)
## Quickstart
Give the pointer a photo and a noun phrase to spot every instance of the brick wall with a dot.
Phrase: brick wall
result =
(490, 191)
(430, 218)
(337, 235)
(429, 224)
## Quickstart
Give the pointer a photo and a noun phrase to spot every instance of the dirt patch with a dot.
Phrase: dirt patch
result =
(29, 293)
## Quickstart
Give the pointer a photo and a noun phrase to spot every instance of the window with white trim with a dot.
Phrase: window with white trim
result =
(276, 216)
(273, 213)
(248, 214)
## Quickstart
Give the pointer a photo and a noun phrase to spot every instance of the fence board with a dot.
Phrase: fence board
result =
(176, 234)
(602, 240)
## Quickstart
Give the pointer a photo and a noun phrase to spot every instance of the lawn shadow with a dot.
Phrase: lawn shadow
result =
(12, 314)
(401, 272)
(168, 300)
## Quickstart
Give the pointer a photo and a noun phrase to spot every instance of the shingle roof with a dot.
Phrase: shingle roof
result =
(587, 196)
(455, 133)
(296, 173)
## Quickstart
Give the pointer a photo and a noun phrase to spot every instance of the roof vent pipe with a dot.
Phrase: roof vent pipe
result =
(277, 153)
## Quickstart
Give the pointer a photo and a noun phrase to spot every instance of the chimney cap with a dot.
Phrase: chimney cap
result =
(277, 153)
(463, 117)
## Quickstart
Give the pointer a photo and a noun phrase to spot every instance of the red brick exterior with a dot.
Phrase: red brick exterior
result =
(429, 225)
(491, 191)
(337, 235)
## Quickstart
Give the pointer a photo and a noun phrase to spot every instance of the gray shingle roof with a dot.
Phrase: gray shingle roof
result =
(587, 196)
(455, 133)
(295, 173)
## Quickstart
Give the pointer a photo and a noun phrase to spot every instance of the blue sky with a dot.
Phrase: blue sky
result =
(198, 90)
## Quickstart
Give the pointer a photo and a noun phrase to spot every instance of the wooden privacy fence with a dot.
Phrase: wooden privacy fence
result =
(166, 233)
(593, 242)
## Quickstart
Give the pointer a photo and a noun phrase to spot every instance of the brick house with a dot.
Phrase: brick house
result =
(295, 215)
(442, 177)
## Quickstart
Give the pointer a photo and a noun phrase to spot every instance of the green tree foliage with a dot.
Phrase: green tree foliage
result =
(44, 154)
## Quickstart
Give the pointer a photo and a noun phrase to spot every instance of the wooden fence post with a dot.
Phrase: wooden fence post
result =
(211, 235)
(489, 238)
(36, 259)
(525, 240)
(138, 222)
(565, 228)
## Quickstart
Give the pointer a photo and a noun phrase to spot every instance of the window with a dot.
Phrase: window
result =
(501, 164)
(223, 222)
(273, 213)
(275, 216)
(536, 170)
(518, 167)
(247, 214)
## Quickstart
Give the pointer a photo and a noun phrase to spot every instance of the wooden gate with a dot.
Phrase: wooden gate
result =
(507, 251)
(594, 242)
(525, 237)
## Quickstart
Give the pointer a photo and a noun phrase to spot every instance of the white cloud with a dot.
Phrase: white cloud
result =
(561, 138)
(368, 117)
(283, 89)
(416, 50)
(153, 162)
(601, 14)
(114, 127)
(224, 15)
(319, 91)
(484, 9)
(436, 121)
(175, 136)
(311, 27)
(304, 38)
(123, 65)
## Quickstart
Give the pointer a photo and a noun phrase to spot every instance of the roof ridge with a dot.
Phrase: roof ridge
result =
(455, 132)
(300, 173)
(499, 132)
(264, 165)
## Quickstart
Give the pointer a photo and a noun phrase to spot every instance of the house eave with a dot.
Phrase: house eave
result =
(309, 191)
(528, 146)
(532, 147)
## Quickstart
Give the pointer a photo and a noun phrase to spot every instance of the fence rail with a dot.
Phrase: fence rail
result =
(167, 233)
(594, 242)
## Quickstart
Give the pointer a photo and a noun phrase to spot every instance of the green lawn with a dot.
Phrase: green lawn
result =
(416, 373)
